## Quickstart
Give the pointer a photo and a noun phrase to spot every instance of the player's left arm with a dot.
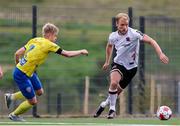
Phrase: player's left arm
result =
(55, 48)
(157, 48)
(74, 53)
(1, 72)
(20, 52)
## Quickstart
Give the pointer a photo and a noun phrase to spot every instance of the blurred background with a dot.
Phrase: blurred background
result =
(75, 86)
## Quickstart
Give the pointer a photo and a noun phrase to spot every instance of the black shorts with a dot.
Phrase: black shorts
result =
(127, 75)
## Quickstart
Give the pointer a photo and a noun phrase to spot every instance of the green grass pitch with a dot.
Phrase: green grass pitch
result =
(91, 122)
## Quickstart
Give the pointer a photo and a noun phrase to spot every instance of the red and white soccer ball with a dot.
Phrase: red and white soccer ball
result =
(164, 113)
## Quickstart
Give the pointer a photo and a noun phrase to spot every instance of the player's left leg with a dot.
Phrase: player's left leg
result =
(37, 85)
(101, 107)
(103, 104)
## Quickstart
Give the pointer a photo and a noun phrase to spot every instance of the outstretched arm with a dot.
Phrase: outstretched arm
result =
(157, 48)
(1, 72)
(74, 53)
(18, 54)
(109, 49)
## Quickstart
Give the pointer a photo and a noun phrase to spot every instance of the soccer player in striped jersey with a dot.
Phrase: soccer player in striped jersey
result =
(126, 41)
(28, 58)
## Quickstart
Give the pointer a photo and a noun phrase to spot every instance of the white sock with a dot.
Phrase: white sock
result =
(112, 98)
(105, 103)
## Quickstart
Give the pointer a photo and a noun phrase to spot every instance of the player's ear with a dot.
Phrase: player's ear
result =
(116, 23)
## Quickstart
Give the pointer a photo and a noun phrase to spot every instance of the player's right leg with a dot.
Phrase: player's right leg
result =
(9, 98)
(22, 108)
(27, 90)
(115, 78)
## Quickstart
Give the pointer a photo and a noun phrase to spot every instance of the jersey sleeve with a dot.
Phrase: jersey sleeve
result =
(111, 39)
(139, 34)
(26, 46)
(53, 47)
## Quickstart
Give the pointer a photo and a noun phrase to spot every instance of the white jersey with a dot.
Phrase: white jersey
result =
(127, 47)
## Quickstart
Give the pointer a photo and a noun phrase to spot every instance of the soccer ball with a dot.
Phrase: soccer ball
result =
(164, 113)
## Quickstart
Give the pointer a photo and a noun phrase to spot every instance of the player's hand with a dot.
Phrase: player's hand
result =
(84, 52)
(105, 66)
(164, 59)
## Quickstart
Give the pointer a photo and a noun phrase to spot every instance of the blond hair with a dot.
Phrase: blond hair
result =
(49, 28)
(122, 15)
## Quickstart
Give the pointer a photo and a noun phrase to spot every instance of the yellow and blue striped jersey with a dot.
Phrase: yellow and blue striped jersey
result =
(37, 50)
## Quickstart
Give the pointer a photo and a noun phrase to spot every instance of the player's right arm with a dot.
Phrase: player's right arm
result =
(20, 52)
(109, 49)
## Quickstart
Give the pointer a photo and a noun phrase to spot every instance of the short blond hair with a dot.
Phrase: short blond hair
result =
(122, 15)
(49, 28)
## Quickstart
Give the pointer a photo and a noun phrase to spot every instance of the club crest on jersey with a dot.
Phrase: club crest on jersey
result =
(28, 89)
(128, 39)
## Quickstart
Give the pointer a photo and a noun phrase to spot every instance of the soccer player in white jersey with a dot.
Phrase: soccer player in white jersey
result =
(126, 42)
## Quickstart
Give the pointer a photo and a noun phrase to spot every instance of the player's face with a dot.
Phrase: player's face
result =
(53, 37)
(122, 25)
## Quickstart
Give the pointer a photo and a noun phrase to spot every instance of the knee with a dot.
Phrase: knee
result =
(33, 101)
(114, 84)
(39, 92)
